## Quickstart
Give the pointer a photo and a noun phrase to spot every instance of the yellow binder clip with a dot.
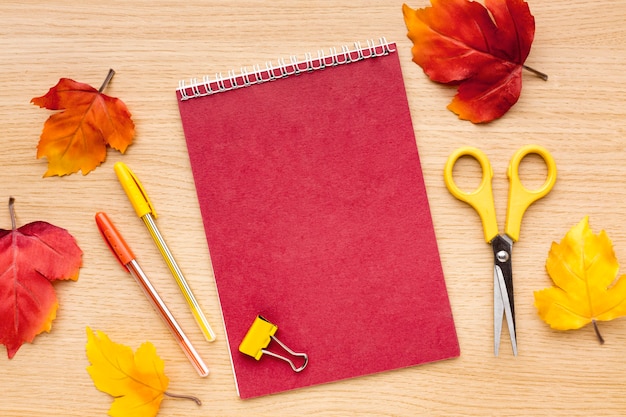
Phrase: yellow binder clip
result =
(259, 336)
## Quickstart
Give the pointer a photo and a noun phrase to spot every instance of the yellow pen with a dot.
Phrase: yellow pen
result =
(144, 209)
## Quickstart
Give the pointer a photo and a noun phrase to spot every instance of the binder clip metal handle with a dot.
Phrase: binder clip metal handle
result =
(259, 336)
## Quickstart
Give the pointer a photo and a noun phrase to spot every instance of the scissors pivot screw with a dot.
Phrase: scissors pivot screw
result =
(502, 256)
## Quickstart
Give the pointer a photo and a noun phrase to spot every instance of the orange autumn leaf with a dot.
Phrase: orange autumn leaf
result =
(587, 288)
(480, 49)
(76, 138)
(31, 258)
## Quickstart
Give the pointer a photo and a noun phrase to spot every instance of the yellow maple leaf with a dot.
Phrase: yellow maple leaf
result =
(587, 288)
(136, 380)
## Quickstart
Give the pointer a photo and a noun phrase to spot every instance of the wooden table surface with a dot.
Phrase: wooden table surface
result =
(579, 114)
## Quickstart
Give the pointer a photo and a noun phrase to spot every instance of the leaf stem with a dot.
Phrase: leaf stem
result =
(537, 73)
(185, 397)
(107, 80)
(12, 213)
(597, 330)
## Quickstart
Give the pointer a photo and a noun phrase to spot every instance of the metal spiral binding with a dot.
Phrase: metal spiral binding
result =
(271, 72)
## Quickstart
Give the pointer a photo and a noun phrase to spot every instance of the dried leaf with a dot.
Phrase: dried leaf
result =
(136, 380)
(31, 257)
(587, 288)
(76, 138)
(482, 49)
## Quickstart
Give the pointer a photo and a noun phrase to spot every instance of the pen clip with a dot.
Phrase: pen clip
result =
(134, 190)
(114, 240)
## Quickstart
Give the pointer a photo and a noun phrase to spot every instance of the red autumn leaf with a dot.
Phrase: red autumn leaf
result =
(31, 257)
(482, 49)
(76, 138)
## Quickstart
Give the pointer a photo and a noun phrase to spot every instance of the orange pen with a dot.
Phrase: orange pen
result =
(125, 256)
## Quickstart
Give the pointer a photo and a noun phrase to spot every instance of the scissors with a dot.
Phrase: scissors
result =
(520, 198)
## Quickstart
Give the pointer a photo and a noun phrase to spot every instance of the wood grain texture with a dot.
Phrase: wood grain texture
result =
(578, 114)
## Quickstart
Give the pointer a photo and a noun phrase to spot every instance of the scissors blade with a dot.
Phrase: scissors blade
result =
(503, 290)
(502, 307)
(498, 310)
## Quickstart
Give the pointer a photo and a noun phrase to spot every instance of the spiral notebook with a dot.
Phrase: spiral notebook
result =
(316, 216)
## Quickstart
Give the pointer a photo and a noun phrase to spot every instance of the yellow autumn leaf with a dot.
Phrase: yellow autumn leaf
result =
(587, 288)
(136, 380)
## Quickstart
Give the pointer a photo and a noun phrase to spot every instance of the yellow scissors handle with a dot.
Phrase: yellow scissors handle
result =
(480, 199)
(520, 197)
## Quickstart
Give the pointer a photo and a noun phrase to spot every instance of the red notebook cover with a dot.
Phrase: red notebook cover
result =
(316, 216)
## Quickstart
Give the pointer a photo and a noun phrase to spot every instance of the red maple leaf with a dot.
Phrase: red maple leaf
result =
(76, 138)
(482, 49)
(31, 257)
